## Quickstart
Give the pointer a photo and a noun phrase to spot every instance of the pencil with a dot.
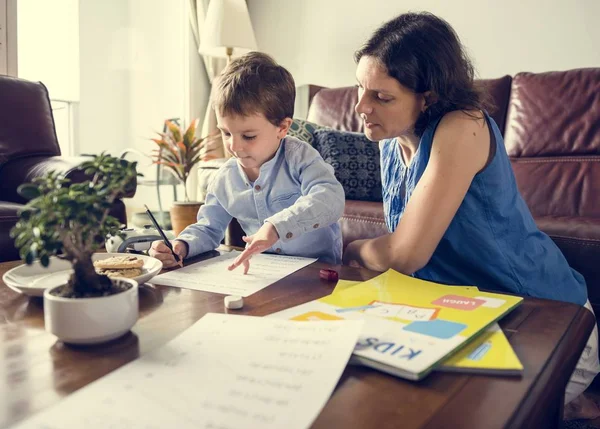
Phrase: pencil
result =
(164, 237)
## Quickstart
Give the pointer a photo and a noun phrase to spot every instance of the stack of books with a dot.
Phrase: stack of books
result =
(413, 327)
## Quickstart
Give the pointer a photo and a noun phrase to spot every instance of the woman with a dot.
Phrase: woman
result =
(451, 202)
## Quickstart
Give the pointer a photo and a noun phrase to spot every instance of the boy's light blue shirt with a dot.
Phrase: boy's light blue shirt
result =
(296, 191)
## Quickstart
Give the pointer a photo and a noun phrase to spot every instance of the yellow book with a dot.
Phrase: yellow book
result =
(488, 353)
(411, 325)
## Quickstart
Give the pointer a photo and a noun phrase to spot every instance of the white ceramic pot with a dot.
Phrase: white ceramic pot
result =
(92, 320)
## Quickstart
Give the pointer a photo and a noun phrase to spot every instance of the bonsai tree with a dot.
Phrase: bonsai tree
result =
(72, 220)
(180, 150)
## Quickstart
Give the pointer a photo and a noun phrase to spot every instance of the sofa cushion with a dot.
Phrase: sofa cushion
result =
(498, 93)
(303, 130)
(362, 220)
(553, 136)
(579, 240)
(334, 107)
(9, 212)
(571, 227)
(559, 186)
(554, 114)
(9, 215)
(355, 161)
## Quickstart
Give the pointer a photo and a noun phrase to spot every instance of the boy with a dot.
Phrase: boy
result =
(283, 194)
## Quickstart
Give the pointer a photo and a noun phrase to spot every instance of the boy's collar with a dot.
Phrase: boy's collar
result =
(266, 166)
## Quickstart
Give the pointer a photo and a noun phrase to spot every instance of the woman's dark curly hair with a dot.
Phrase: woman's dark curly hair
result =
(423, 53)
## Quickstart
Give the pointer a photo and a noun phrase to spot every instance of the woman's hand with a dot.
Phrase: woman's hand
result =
(352, 254)
(264, 238)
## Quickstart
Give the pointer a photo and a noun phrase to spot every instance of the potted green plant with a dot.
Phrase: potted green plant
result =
(72, 221)
(178, 152)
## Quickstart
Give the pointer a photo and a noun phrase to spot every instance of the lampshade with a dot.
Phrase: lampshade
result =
(227, 25)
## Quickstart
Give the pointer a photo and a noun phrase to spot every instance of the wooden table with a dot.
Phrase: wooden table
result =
(548, 336)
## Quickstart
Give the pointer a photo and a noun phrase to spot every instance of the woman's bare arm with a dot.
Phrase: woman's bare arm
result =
(460, 150)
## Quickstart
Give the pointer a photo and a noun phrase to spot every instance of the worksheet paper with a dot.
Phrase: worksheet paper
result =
(212, 274)
(226, 372)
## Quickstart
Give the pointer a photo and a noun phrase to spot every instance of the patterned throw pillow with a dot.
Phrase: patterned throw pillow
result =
(303, 130)
(355, 160)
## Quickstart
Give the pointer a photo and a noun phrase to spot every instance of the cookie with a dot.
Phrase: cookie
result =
(119, 262)
(126, 272)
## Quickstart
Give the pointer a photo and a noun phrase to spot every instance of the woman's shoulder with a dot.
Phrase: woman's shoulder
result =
(463, 135)
(463, 127)
(463, 121)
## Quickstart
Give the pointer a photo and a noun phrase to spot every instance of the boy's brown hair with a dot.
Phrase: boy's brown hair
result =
(255, 83)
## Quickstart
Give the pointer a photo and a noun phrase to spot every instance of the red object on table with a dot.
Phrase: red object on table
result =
(329, 275)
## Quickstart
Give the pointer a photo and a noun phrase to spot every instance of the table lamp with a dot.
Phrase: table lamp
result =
(227, 30)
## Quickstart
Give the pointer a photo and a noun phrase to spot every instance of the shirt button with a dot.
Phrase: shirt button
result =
(289, 235)
(278, 250)
(257, 187)
(316, 225)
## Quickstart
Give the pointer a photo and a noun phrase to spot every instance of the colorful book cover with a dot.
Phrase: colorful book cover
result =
(411, 325)
(488, 353)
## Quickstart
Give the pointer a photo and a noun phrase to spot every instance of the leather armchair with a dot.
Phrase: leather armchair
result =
(28, 149)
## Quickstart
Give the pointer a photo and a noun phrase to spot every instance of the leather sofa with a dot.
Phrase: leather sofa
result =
(551, 126)
(28, 149)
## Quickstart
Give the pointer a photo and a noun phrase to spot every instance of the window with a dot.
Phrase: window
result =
(64, 113)
(8, 37)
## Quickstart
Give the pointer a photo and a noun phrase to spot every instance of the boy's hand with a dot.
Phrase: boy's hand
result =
(159, 250)
(264, 238)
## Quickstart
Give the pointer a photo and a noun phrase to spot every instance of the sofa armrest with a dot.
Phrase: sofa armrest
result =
(24, 170)
(362, 219)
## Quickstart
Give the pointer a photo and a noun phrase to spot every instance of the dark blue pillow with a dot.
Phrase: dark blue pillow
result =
(355, 160)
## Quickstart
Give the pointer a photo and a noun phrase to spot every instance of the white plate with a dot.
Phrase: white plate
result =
(33, 279)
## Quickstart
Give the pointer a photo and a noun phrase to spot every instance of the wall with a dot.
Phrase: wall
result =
(105, 104)
(315, 39)
(157, 76)
(132, 71)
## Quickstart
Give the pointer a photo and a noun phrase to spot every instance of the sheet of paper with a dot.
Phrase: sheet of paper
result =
(225, 372)
(212, 275)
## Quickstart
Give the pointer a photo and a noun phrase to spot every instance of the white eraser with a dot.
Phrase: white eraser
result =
(233, 302)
